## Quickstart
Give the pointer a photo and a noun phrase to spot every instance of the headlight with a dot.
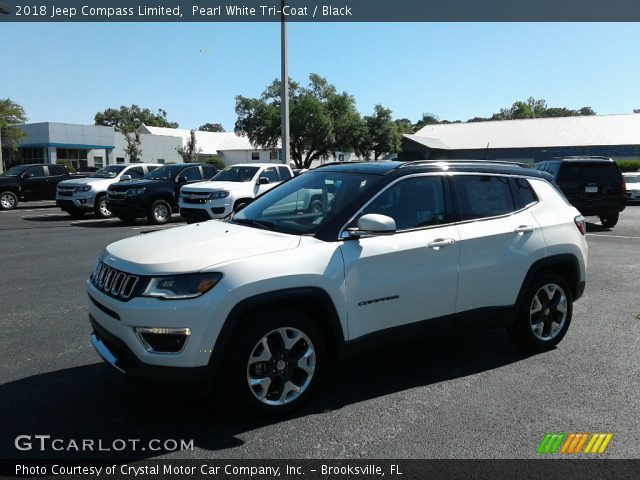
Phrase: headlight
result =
(82, 188)
(219, 194)
(135, 191)
(181, 286)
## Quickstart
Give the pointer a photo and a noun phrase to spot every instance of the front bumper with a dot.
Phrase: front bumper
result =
(130, 206)
(83, 201)
(205, 211)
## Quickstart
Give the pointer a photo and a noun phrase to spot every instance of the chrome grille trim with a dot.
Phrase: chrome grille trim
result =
(113, 282)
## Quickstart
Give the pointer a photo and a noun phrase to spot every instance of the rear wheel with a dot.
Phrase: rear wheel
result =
(610, 220)
(8, 201)
(276, 361)
(545, 313)
(100, 208)
(159, 212)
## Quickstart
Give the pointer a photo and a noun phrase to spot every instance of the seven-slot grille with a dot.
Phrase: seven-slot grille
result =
(193, 197)
(66, 191)
(114, 282)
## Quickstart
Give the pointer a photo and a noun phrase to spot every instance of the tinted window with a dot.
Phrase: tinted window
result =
(236, 174)
(35, 172)
(135, 172)
(208, 172)
(55, 170)
(412, 203)
(285, 174)
(589, 172)
(482, 196)
(524, 192)
(191, 174)
(271, 174)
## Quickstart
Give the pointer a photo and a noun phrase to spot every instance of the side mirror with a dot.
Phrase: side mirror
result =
(263, 181)
(181, 179)
(374, 224)
(240, 206)
(124, 178)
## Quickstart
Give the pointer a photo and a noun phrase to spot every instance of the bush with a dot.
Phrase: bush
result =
(629, 165)
(217, 162)
(67, 164)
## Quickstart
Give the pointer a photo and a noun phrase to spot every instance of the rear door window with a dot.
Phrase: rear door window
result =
(35, 172)
(191, 174)
(524, 194)
(483, 196)
(271, 174)
(57, 170)
(285, 174)
(208, 172)
(135, 172)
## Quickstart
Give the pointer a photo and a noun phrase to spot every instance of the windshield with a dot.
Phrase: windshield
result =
(632, 178)
(15, 171)
(168, 172)
(304, 204)
(110, 171)
(235, 174)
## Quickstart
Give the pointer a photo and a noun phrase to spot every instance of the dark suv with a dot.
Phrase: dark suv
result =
(594, 185)
(156, 195)
(30, 182)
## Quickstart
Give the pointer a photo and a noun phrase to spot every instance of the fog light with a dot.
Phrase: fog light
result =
(83, 200)
(163, 340)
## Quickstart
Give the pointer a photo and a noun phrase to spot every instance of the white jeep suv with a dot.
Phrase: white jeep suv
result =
(86, 195)
(277, 290)
(231, 187)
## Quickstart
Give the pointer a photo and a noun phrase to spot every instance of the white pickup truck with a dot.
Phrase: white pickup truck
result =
(232, 186)
(86, 195)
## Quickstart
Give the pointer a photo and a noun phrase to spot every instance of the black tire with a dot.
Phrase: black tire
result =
(100, 207)
(253, 329)
(610, 220)
(546, 319)
(8, 200)
(159, 212)
(127, 219)
(316, 206)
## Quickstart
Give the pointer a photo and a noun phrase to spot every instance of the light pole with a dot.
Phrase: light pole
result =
(284, 86)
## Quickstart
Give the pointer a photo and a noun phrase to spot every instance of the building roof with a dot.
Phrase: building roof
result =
(208, 142)
(531, 133)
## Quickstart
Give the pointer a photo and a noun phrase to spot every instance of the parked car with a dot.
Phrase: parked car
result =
(24, 183)
(155, 196)
(632, 182)
(263, 301)
(89, 195)
(594, 185)
(231, 187)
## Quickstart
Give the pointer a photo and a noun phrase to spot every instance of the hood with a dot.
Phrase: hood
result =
(213, 186)
(194, 247)
(74, 182)
(7, 180)
(131, 184)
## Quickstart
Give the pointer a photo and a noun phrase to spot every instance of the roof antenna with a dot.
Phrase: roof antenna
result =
(486, 152)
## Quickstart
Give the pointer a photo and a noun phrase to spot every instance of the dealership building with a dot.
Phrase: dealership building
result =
(96, 146)
(529, 140)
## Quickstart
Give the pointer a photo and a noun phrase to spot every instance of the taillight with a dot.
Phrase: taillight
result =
(581, 223)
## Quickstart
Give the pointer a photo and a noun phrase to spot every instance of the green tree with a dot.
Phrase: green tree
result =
(383, 135)
(211, 127)
(321, 121)
(11, 117)
(190, 151)
(216, 161)
(128, 119)
(404, 125)
(427, 119)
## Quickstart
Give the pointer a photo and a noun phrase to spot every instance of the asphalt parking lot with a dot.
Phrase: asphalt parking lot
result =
(469, 394)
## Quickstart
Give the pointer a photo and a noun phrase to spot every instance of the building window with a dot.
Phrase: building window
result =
(97, 162)
(33, 155)
(273, 155)
(255, 155)
(341, 157)
(160, 160)
(119, 159)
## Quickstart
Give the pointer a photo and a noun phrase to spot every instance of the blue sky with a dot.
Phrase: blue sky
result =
(68, 72)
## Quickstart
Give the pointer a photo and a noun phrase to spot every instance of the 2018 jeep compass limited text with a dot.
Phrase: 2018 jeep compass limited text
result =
(277, 289)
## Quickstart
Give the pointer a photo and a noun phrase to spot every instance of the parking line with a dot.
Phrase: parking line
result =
(610, 236)
(58, 214)
(93, 220)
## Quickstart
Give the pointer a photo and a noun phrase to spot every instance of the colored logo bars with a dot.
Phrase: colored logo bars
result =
(573, 443)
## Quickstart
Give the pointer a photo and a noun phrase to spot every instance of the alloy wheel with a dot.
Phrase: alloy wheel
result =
(548, 312)
(161, 212)
(281, 366)
(102, 206)
(7, 201)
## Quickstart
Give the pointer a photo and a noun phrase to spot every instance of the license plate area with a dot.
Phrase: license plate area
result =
(591, 189)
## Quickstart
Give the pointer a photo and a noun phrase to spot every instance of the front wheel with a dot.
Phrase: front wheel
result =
(276, 361)
(609, 221)
(159, 212)
(8, 201)
(100, 208)
(545, 313)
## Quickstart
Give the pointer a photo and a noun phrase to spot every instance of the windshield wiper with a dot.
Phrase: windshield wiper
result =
(256, 223)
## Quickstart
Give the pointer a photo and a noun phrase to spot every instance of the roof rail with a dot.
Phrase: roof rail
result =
(329, 164)
(580, 157)
(415, 163)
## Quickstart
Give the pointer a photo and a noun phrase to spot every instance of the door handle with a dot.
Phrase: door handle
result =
(441, 242)
(524, 229)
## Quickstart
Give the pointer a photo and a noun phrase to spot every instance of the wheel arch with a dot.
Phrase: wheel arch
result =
(566, 265)
(314, 301)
